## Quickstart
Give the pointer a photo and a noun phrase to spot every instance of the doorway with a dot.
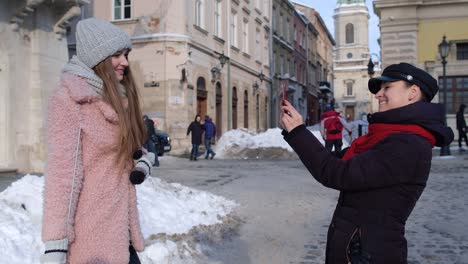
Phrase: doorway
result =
(246, 109)
(219, 110)
(234, 108)
(201, 96)
(349, 113)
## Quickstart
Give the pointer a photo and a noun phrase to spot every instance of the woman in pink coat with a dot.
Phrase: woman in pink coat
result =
(94, 127)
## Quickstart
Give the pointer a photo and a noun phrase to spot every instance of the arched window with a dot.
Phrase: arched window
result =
(349, 33)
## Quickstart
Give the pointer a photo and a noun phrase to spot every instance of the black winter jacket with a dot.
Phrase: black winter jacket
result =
(197, 130)
(378, 188)
(461, 123)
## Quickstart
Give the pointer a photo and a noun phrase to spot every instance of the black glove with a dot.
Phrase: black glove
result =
(143, 166)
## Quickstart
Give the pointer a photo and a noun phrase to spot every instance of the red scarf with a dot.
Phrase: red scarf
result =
(378, 132)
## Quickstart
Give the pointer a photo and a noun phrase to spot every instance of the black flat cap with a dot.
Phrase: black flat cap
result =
(406, 72)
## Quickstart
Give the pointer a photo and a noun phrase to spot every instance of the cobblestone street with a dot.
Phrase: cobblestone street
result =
(286, 213)
(437, 230)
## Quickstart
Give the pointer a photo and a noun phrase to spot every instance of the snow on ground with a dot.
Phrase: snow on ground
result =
(166, 211)
(246, 144)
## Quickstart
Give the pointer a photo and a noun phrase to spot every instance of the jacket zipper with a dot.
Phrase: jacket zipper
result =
(357, 229)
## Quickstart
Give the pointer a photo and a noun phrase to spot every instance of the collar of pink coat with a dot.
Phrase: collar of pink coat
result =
(82, 93)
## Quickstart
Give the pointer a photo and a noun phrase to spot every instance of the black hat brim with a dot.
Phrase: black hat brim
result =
(375, 83)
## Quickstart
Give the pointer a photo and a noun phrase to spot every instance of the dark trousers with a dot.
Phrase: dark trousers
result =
(151, 147)
(194, 153)
(338, 143)
(461, 136)
(133, 256)
(208, 148)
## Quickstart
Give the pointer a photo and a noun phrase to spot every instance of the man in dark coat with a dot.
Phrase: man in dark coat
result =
(461, 126)
(196, 129)
(151, 141)
(383, 174)
(210, 133)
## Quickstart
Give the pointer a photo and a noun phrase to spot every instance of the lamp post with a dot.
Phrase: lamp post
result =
(443, 52)
(223, 59)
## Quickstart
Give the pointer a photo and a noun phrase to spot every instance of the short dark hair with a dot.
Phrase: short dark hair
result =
(408, 85)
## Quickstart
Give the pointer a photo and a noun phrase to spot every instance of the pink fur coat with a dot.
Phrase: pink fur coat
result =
(100, 216)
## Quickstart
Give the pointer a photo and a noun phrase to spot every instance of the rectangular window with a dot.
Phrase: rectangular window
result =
(122, 9)
(266, 54)
(199, 13)
(218, 18)
(234, 30)
(280, 24)
(258, 4)
(457, 92)
(295, 33)
(258, 51)
(245, 36)
(349, 89)
(462, 51)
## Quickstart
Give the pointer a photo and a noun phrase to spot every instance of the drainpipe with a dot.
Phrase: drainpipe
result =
(272, 67)
(229, 106)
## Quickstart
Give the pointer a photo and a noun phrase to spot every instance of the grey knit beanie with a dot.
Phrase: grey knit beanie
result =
(97, 39)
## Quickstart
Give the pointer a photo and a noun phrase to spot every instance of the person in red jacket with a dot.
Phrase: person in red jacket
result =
(331, 128)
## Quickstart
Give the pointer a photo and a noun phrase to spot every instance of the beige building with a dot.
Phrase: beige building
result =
(33, 49)
(411, 32)
(321, 57)
(177, 46)
(352, 97)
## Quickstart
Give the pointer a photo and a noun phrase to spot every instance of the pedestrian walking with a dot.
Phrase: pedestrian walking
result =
(94, 127)
(461, 126)
(382, 175)
(152, 141)
(196, 129)
(331, 129)
(210, 133)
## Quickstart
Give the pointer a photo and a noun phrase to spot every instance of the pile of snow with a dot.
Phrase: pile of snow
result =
(246, 144)
(166, 210)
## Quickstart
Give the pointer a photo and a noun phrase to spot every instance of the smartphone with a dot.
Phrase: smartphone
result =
(284, 91)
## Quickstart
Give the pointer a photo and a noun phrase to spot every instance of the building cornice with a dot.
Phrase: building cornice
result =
(160, 37)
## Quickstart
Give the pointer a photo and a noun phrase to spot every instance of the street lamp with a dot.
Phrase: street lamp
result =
(222, 59)
(443, 52)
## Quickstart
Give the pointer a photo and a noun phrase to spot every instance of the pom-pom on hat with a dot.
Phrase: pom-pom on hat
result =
(97, 39)
(406, 72)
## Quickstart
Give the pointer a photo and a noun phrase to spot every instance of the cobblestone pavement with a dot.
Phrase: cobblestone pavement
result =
(286, 212)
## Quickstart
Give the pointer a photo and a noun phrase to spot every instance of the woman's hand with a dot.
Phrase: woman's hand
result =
(290, 118)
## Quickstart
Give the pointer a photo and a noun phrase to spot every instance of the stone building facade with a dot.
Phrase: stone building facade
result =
(321, 62)
(411, 32)
(177, 51)
(352, 97)
(33, 49)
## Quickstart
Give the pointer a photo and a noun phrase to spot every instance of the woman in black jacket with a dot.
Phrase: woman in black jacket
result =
(461, 126)
(382, 175)
(196, 129)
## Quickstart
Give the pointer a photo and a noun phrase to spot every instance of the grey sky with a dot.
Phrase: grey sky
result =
(326, 9)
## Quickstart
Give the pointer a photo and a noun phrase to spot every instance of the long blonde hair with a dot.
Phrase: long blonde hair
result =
(132, 132)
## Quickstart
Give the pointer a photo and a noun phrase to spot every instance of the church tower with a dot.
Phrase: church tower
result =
(351, 57)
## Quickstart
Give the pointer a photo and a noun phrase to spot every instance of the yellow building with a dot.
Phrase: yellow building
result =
(411, 32)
